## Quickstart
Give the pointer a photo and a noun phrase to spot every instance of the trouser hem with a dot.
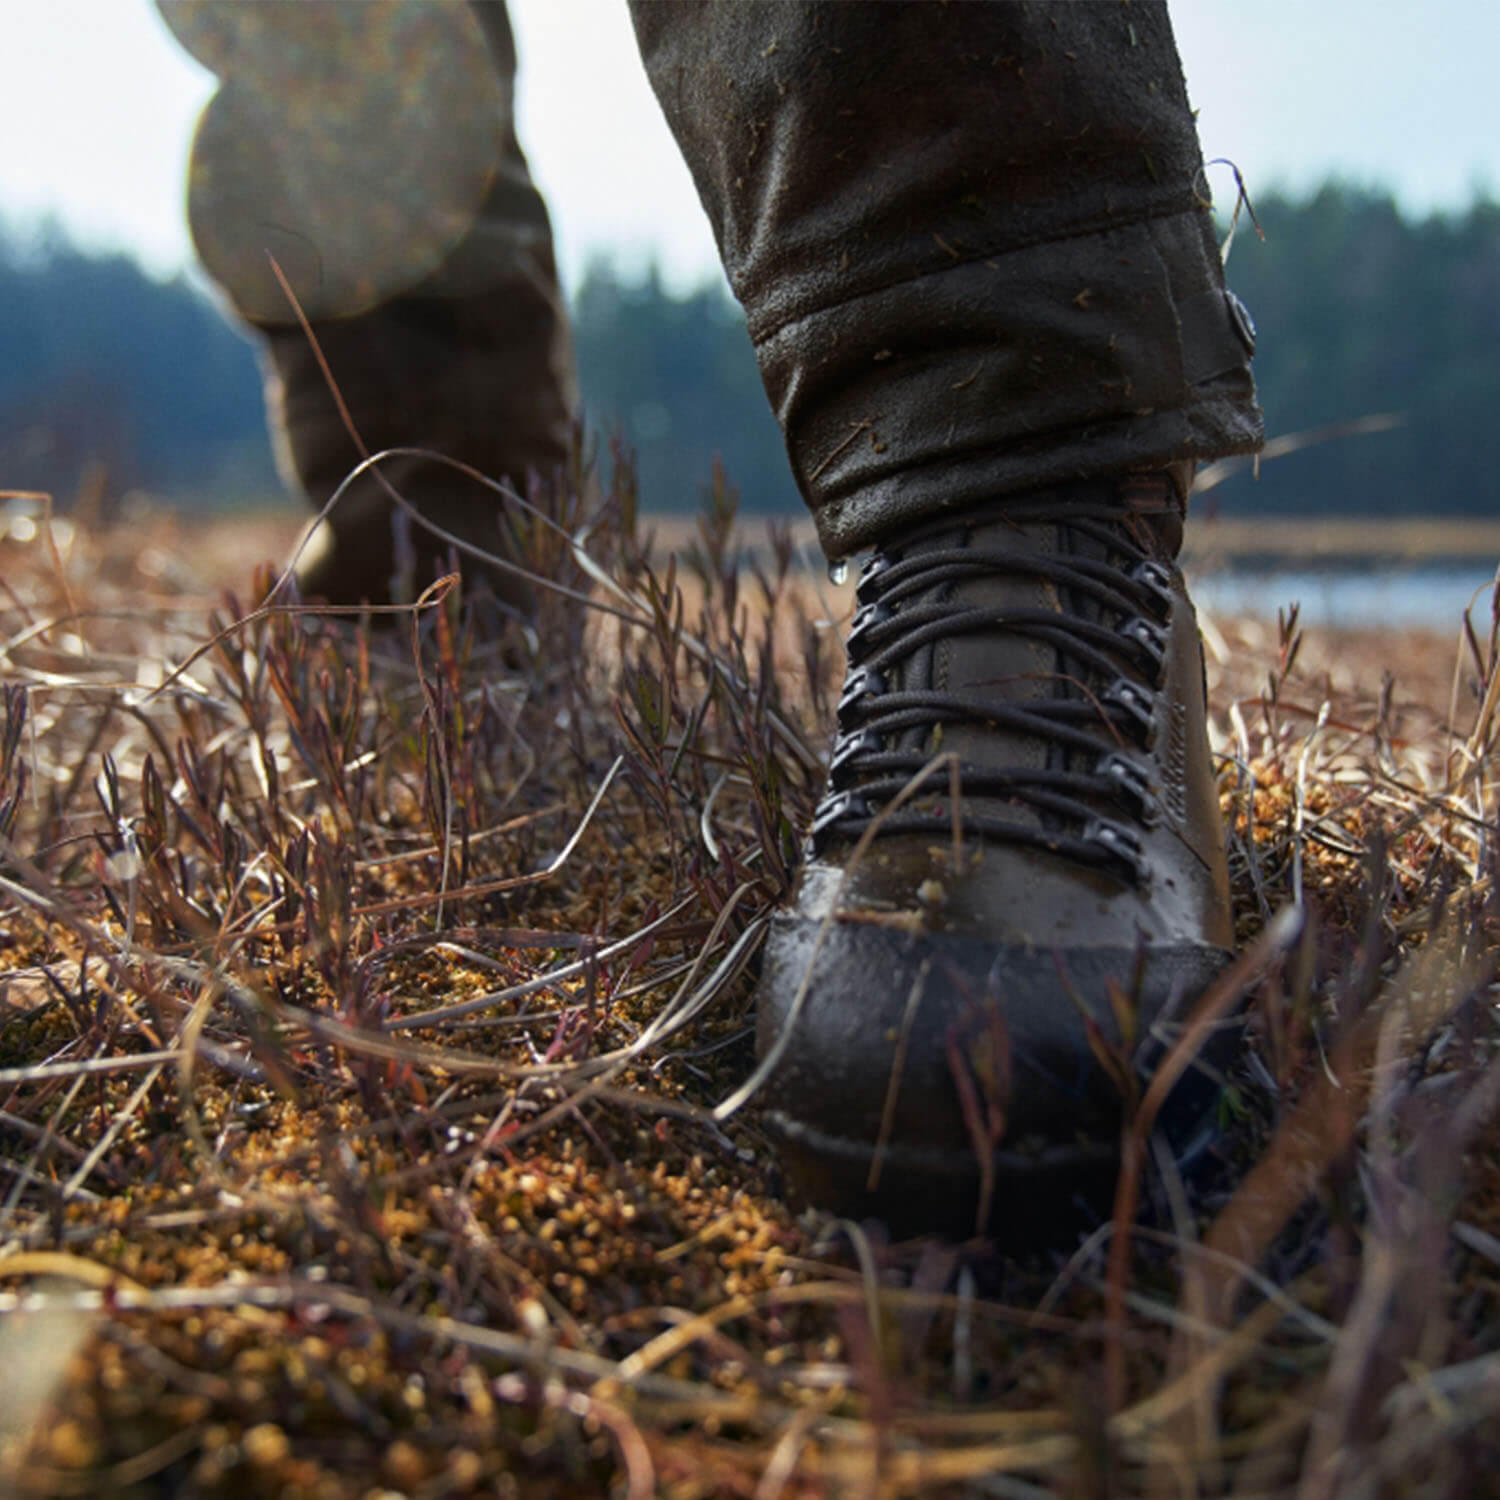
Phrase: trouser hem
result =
(1082, 355)
(878, 512)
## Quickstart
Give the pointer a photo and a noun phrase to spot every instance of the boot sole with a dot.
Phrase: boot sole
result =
(1035, 1199)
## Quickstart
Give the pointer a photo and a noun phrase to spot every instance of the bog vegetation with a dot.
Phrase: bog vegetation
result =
(370, 988)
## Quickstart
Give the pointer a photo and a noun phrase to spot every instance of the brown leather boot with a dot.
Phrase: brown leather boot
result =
(940, 1008)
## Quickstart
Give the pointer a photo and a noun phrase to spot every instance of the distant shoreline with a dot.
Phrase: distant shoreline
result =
(1340, 541)
(1314, 543)
(1276, 541)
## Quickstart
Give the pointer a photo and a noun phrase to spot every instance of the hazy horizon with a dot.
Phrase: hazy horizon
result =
(99, 118)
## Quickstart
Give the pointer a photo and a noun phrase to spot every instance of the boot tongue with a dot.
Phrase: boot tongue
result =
(1011, 666)
(1003, 666)
(996, 665)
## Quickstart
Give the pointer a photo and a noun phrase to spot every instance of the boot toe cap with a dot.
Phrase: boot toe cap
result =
(913, 1067)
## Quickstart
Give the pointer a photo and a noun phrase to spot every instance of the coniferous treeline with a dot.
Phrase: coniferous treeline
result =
(1360, 310)
(100, 364)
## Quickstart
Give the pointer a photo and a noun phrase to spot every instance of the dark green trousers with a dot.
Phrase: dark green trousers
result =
(971, 240)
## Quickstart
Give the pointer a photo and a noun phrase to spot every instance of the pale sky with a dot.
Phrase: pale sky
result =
(98, 105)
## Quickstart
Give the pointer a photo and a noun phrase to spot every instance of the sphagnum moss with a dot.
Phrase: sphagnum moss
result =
(357, 1119)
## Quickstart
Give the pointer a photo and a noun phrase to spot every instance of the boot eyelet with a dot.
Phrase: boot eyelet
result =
(1130, 784)
(866, 742)
(862, 683)
(1119, 846)
(868, 587)
(1156, 582)
(1152, 641)
(867, 617)
(1135, 703)
(832, 810)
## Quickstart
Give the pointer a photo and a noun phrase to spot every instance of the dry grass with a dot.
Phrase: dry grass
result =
(367, 996)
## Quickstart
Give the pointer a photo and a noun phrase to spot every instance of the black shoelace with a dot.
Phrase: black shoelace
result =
(1120, 666)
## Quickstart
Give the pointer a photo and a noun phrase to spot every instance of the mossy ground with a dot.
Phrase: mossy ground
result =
(368, 993)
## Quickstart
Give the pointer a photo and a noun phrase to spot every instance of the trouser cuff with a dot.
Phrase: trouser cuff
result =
(1111, 349)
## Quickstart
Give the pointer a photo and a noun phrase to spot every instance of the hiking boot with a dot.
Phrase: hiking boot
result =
(963, 992)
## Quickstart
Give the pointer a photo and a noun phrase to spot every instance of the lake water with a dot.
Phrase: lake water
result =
(1433, 596)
